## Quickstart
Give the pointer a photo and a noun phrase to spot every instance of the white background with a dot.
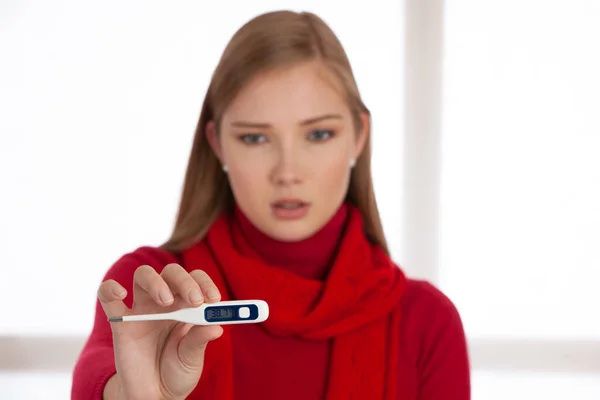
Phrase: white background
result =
(521, 167)
(98, 105)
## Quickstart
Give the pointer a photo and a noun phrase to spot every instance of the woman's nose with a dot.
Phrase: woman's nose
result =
(286, 170)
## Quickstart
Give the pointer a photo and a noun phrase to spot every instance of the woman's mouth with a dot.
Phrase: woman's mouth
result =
(290, 209)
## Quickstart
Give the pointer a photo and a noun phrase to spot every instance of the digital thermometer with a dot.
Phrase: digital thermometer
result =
(220, 313)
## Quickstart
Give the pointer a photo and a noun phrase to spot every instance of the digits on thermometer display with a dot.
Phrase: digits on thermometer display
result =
(220, 313)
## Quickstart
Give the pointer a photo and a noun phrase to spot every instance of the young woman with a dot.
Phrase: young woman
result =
(278, 204)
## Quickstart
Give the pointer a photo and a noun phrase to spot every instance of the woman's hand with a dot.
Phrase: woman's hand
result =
(159, 359)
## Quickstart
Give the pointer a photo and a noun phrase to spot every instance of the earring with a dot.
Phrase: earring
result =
(225, 169)
(352, 163)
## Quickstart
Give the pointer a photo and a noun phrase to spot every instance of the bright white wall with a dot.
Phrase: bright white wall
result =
(521, 167)
(520, 214)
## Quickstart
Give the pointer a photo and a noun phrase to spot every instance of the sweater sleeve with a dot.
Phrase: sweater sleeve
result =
(96, 363)
(442, 362)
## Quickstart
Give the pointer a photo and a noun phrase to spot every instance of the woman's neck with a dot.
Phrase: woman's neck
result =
(309, 258)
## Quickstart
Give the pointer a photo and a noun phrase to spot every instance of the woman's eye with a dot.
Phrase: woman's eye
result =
(253, 138)
(320, 135)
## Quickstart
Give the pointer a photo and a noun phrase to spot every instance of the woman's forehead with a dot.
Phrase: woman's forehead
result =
(295, 93)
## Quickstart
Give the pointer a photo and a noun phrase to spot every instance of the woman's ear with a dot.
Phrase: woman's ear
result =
(213, 140)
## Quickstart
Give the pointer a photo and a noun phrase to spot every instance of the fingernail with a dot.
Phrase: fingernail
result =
(212, 293)
(195, 296)
(120, 292)
(165, 296)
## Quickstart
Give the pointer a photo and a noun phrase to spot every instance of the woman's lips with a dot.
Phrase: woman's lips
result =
(290, 209)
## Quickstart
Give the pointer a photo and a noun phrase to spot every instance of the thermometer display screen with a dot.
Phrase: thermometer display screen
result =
(219, 313)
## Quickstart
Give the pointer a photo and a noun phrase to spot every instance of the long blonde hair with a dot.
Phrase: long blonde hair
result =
(272, 40)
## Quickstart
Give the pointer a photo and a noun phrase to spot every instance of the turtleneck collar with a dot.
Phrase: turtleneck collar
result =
(309, 258)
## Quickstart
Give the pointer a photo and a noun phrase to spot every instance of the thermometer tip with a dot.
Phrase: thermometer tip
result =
(115, 319)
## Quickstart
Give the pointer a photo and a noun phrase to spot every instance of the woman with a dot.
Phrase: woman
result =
(278, 204)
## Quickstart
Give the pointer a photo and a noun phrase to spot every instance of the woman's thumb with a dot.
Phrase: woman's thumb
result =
(193, 345)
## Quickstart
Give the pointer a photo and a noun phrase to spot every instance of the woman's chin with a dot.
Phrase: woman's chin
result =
(291, 231)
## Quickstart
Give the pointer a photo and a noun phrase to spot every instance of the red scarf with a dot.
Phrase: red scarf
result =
(357, 305)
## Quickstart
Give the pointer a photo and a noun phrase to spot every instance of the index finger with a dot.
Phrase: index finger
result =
(110, 296)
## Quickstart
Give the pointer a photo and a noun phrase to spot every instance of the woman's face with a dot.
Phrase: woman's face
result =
(288, 140)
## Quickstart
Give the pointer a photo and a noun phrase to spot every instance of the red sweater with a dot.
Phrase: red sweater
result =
(433, 353)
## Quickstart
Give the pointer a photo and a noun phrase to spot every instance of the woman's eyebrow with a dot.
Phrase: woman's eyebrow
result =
(320, 118)
(262, 125)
